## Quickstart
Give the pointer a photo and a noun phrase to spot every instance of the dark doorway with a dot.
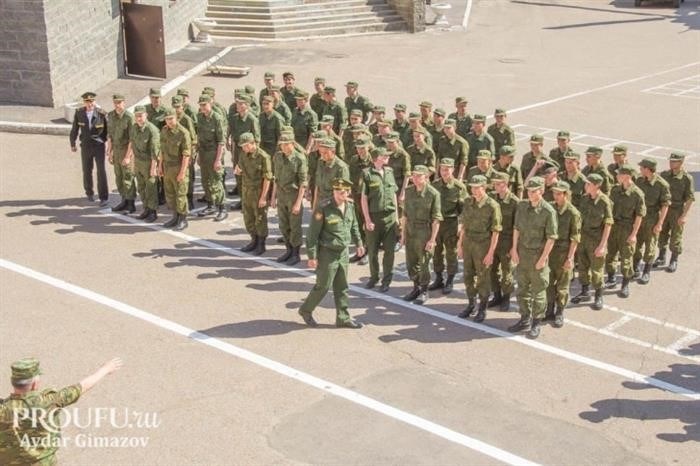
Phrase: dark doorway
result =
(143, 40)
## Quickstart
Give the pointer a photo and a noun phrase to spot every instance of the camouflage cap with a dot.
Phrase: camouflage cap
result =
(595, 179)
(285, 138)
(268, 98)
(648, 163)
(342, 184)
(572, 156)
(118, 97)
(379, 109)
(450, 122)
(536, 182)
(425, 103)
(538, 138)
(461, 100)
(625, 169)
(358, 128)
(550, 170)
(243, 99)
(319, 134)
(420, 170)
(249, 89)
(676, 157)
(594, 150)
(351, 84)
(245, 138)
(269, 75)
(25, 370)
(384, 123)
(561, 186)
(204, 99)
(286, 129)
(319, 80)
(419, 131)
(378, 152)
(619, 149)
(89, 96)
(356, 112)
(499, 112)
(414, 116)
(400, 107)
(301, 95)
(500, 176)
(327, 120)
(484, 154)
(183, 92)
(447, 162)
(327, 143)
(563, 134)
(392, 137)
(362, 143)
(329, 90)
(287, 74)
(507, 150)
(154, 92)
(439, 111)
(478, 180)
(209, 90)
(478, 118)
(274, 88)
(176, 101)
(170, 112)
(140, 109)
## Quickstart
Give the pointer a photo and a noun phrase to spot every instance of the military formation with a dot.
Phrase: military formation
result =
(443, 186)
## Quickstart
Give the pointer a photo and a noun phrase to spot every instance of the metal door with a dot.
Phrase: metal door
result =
(143, 40)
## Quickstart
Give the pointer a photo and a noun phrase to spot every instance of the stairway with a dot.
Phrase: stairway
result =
(292, 19)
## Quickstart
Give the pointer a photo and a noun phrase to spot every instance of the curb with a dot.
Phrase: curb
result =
(34, 128)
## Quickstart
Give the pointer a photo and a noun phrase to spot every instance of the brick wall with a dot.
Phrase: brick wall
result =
(412, 11)
(24, 61)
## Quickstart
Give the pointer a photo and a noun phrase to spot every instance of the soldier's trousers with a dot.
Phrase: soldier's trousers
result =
(124, 176)
(92, 155)
(148, 192)
(559, 278)
(384, 236)
(502, 268)
(590, 267)
(417, 258)
(672, 231)
(192, 175)
(332, 271)
(235, 156)
(446, 247)
(211, 179)
(617, 243)
(477, 277)
(254, 217)
(175, 192)
(359, 216)
(289, 223)
(532, 284)
(647, 241)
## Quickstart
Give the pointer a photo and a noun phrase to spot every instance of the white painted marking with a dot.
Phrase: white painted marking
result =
(467, 12)
(617, 324)
(282, 369)
(652, 320)
(682, 342)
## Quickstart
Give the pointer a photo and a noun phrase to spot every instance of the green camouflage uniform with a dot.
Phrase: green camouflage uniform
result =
(627, 205)
(304, 123)
(284, 111)
(421, 209)
(529, 160)
(568, 230)
(210, 134)
(270, 131)
(118, 130)
(255, 167)
(238, 125)
(361, 103)
(357, 165)
(608, 180)
(682, 187)
(405, 133)
(558, 155)
(317, 104)
(479, 220)
(452, 196)
(325, 174)
(502, 268)
(595, 214)
(577, 183)
(484, 141)
(656, 195)
(422, 156)
(503, 136)
(515, 182)
(339, 114)
(463, 124)
(291, 173)
(289, 96)
(175, 144)
(156, 115)
(145, 142)
(456, 149)
(380, 189)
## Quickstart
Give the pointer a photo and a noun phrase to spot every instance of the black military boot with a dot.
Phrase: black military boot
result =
(202, 199)
(610, 281)
(422, 298)
(661, 259)
(172, 222)
(294, 259)
(646, 274)
(181, 222)
(413, 294)
(130, 206)
(144, 214)
(625, 290)
(121, 206)
(221, 215)
(449, 284)
(208, 210)
(190, 201)
(151, 217)
(558, 317)
(260, 247)
(523, 324)
(236, 206)
(673, 264)
(437, 284)
(496, 300)
(505, 302)
(252, 245)
(286, 255)
(549, 313)
(637, 270)
(481, 312)
(598, 301)
(584, 295)
(534, 331)
(469, 310)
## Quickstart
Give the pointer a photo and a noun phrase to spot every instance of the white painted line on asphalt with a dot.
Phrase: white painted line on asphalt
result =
(282, 369)
(682, 342)
(601, 88)
(652, 320)
(467, 12)
(431, 312)
(617, 324)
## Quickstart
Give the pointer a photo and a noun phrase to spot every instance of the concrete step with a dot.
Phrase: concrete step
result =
(254, 3)
(264, 8)
(371, 28)
(300, 26)
(286, 22)
(324, 12)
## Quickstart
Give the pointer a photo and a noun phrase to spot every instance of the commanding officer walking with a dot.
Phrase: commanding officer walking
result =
(504, 164)
(502, 269)
(291, 180)
(533, 238)
(478, 237)
(682, 190)
(502, 134)
(452, 196)
(478, 140)
(211, 141)
(25, 437)
(380, 212)
(119, 124)
(145, 143)
(628, 212)
(174, 160)
(333, 226)
(419, 228)
(561, 260)
(596, 223)
(657, 198)
(254, 168)
(91, 123)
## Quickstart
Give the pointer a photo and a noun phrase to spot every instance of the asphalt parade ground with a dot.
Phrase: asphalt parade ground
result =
(211, 341)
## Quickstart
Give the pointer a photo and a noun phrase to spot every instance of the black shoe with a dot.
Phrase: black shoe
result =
(121, 206)
(190, 203)
(625, 290)
(598, 301)
(161, 201)
(413, 294)
(661, 259)
(91, 197)
(202, 200)
(260, 247)
(610, 281)
(350, 323)
(308, 319)
(152, 216)
(172, 222)
(143, 214)
(250, 246)
(558, 318)
(549, 314)
(646, 274)
(449, 284)
(534, 331)
(286, 255)
(371, 283)
(294, 259)
(221, 215)
(130, 206)
(496, 300)
(584, 295)
(523, 324)
(437, 284)
(423, 296)
(505, 303)
(636, 270)
(208, 210)
(236, 206)
(181, 223)
(673, 264)
(384, 288)
(469, 310)
(481, 312)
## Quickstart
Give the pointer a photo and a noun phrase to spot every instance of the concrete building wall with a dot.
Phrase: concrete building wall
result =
(412, 11)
